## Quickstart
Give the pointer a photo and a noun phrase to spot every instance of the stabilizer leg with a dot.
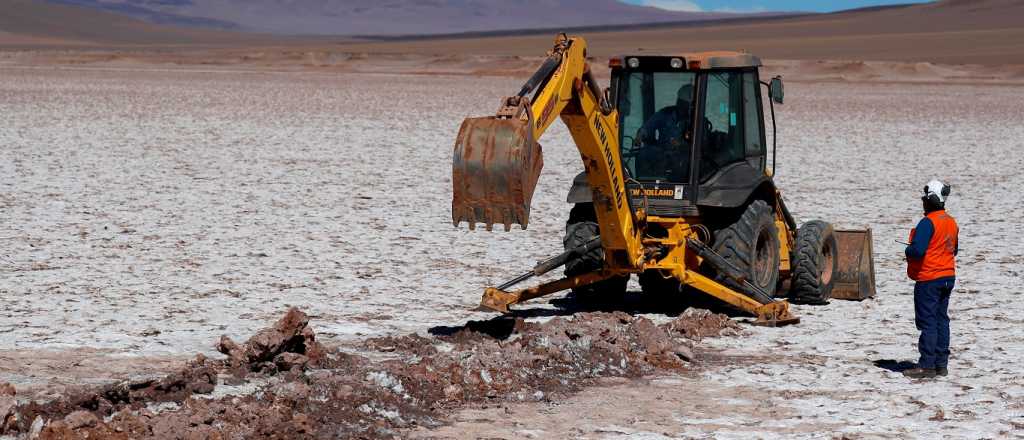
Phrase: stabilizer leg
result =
(775, 314)
(498, 300)
(770, 314)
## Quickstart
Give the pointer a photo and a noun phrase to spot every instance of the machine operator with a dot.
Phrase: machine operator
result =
(665, 140)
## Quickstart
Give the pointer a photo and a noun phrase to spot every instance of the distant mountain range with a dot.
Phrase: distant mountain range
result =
(388, 17)
(947, 31)
(36, 23)
(153, 11)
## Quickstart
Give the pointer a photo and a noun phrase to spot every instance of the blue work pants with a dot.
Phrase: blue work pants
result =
(931, 302)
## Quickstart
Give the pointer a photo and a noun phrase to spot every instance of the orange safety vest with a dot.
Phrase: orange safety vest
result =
(939, 260)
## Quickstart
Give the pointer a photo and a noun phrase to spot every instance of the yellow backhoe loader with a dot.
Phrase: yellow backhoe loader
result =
(676, 187)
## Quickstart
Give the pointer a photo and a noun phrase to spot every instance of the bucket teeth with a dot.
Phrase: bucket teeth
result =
(474, 215)
(495, 167)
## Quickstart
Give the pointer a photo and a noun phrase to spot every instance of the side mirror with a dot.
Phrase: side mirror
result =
(775, 89)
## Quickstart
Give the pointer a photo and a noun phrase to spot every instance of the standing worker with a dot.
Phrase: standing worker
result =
(931, 262)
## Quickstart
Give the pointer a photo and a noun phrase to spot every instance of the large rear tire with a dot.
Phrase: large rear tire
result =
(752, 245)
(579, 229)
(815, 264)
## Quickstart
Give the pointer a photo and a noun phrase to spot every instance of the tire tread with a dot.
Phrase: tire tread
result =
(806, 285)
(734, 242)
(579, 229)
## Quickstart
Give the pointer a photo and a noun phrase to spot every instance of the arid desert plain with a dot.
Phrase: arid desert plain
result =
(145, 211)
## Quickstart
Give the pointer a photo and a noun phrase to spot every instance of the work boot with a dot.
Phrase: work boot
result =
(941, 371)
(920, 373)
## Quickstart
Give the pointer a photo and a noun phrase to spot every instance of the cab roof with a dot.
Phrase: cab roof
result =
(719, 59)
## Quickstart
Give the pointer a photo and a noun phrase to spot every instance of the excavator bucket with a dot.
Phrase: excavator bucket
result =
(494, 171)
(856, 277)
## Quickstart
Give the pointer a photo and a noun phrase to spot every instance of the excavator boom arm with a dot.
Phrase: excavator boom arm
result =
(497, 159)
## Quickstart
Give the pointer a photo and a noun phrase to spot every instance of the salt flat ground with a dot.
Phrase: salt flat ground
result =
(147, 212)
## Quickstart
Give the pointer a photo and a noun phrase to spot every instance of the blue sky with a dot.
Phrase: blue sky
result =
(764, 5)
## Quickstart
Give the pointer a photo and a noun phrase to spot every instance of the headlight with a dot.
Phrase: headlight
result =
(633, 63)
(676, 63)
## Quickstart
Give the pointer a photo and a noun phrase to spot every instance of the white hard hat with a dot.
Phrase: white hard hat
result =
(936, 190)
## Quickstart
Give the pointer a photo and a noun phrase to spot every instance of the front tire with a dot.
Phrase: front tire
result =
(815, 263)
(752, 245)
(579, 229)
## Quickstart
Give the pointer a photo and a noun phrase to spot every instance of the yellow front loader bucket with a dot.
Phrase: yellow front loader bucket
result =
(495, 169)
(856, 277)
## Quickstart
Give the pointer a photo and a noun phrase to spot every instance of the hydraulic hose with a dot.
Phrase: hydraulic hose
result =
(552, 263)
(550, 64)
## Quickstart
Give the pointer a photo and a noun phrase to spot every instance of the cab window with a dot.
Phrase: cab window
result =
(656, 111)
(755, 147)
(723, 123)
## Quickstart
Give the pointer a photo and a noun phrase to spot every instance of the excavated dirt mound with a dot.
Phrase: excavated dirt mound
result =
(306, 391)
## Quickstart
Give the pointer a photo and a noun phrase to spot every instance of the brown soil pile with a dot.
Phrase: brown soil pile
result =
(309, 392)
(289, 344)
(697, 324)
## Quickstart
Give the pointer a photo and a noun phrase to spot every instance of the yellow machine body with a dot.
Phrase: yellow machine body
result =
(497, 160)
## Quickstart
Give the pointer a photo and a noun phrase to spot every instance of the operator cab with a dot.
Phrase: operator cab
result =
(691, 129)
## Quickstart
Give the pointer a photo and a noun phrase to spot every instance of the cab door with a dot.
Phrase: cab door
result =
(729, 158)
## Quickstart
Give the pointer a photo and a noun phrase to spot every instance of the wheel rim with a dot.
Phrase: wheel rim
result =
(762, 260)
(829, 260)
